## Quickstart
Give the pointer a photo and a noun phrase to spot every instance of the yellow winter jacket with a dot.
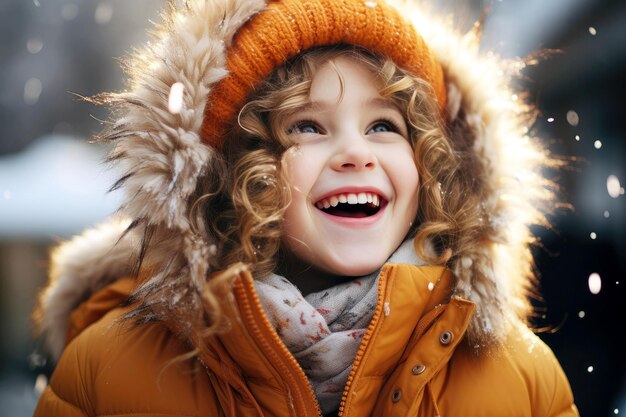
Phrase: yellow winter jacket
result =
(413, 361)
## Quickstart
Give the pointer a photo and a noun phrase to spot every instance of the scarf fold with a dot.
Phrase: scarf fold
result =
(324, 330)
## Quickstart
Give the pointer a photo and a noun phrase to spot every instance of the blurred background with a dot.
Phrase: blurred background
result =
(53, 183)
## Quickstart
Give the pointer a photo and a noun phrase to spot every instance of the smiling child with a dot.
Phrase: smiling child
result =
(334, 223)
(352, 173)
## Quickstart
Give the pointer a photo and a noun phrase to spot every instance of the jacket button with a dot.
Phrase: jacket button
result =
(418, 369)
(446, 337)
(395, 397)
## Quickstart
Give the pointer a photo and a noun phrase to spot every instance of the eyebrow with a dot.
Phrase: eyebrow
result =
(382, 102)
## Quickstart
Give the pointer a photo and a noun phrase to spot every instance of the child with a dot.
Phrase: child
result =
(334, 222)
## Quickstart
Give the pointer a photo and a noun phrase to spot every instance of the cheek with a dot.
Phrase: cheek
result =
(299, 172)
(302, 166)
(411, 184)
(404, 176)
(295, 167)
(412, 181)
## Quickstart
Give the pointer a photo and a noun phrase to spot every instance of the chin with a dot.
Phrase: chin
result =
(355, 269)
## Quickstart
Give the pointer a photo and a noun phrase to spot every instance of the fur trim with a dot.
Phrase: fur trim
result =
(79, 268)
(494, 124)
(162, 159)
(161, 153)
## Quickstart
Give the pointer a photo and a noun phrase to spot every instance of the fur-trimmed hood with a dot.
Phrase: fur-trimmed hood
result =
(162, 159)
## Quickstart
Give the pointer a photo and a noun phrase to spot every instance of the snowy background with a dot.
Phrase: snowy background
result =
(53, 183)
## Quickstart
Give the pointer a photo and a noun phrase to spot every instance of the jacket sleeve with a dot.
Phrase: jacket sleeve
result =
(66, 395)
(560, 401)
(51, 405)
(115, 368)
(551, 394)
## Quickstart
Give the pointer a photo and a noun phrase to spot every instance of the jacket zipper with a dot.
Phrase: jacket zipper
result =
(366, 339)
(254, 319)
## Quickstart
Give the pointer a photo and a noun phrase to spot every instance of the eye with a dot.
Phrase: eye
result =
(383, 126)
(304, 126)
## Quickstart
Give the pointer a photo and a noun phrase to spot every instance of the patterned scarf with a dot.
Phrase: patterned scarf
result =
(324, 329)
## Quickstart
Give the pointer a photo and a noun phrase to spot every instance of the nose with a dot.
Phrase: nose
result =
(353, 153)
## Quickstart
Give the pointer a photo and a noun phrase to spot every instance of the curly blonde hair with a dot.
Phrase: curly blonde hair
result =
(245, 213)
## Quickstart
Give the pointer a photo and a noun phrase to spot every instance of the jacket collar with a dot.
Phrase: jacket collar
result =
(413, 305)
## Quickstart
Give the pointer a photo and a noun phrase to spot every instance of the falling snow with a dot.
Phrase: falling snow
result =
(593, 235)
(175, 100)
(34, 45)
(581, 314)
(40, 384)
(616, 411)
(36, 360)
(592, 30)
(572, 118)
(550, 119)
(577, 137)
(69, 12)
(590, 369)
(613, 186)
(431, 286)
(597, 144)
(103, 14)
(595, 283)
(32, 91)
(37, 3)
(606, 214)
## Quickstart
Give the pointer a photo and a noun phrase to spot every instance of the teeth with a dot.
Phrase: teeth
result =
(350, 198)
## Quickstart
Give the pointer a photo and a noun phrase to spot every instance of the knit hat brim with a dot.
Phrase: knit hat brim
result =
(286, 28)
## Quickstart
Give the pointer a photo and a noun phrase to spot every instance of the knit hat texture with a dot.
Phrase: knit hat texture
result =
(288, 27)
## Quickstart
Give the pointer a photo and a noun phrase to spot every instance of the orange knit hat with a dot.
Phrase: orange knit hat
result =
(287, 27)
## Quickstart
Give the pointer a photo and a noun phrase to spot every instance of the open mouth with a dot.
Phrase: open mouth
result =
(354, 205)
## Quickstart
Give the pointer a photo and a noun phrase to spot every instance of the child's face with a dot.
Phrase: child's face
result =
(352, 173)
